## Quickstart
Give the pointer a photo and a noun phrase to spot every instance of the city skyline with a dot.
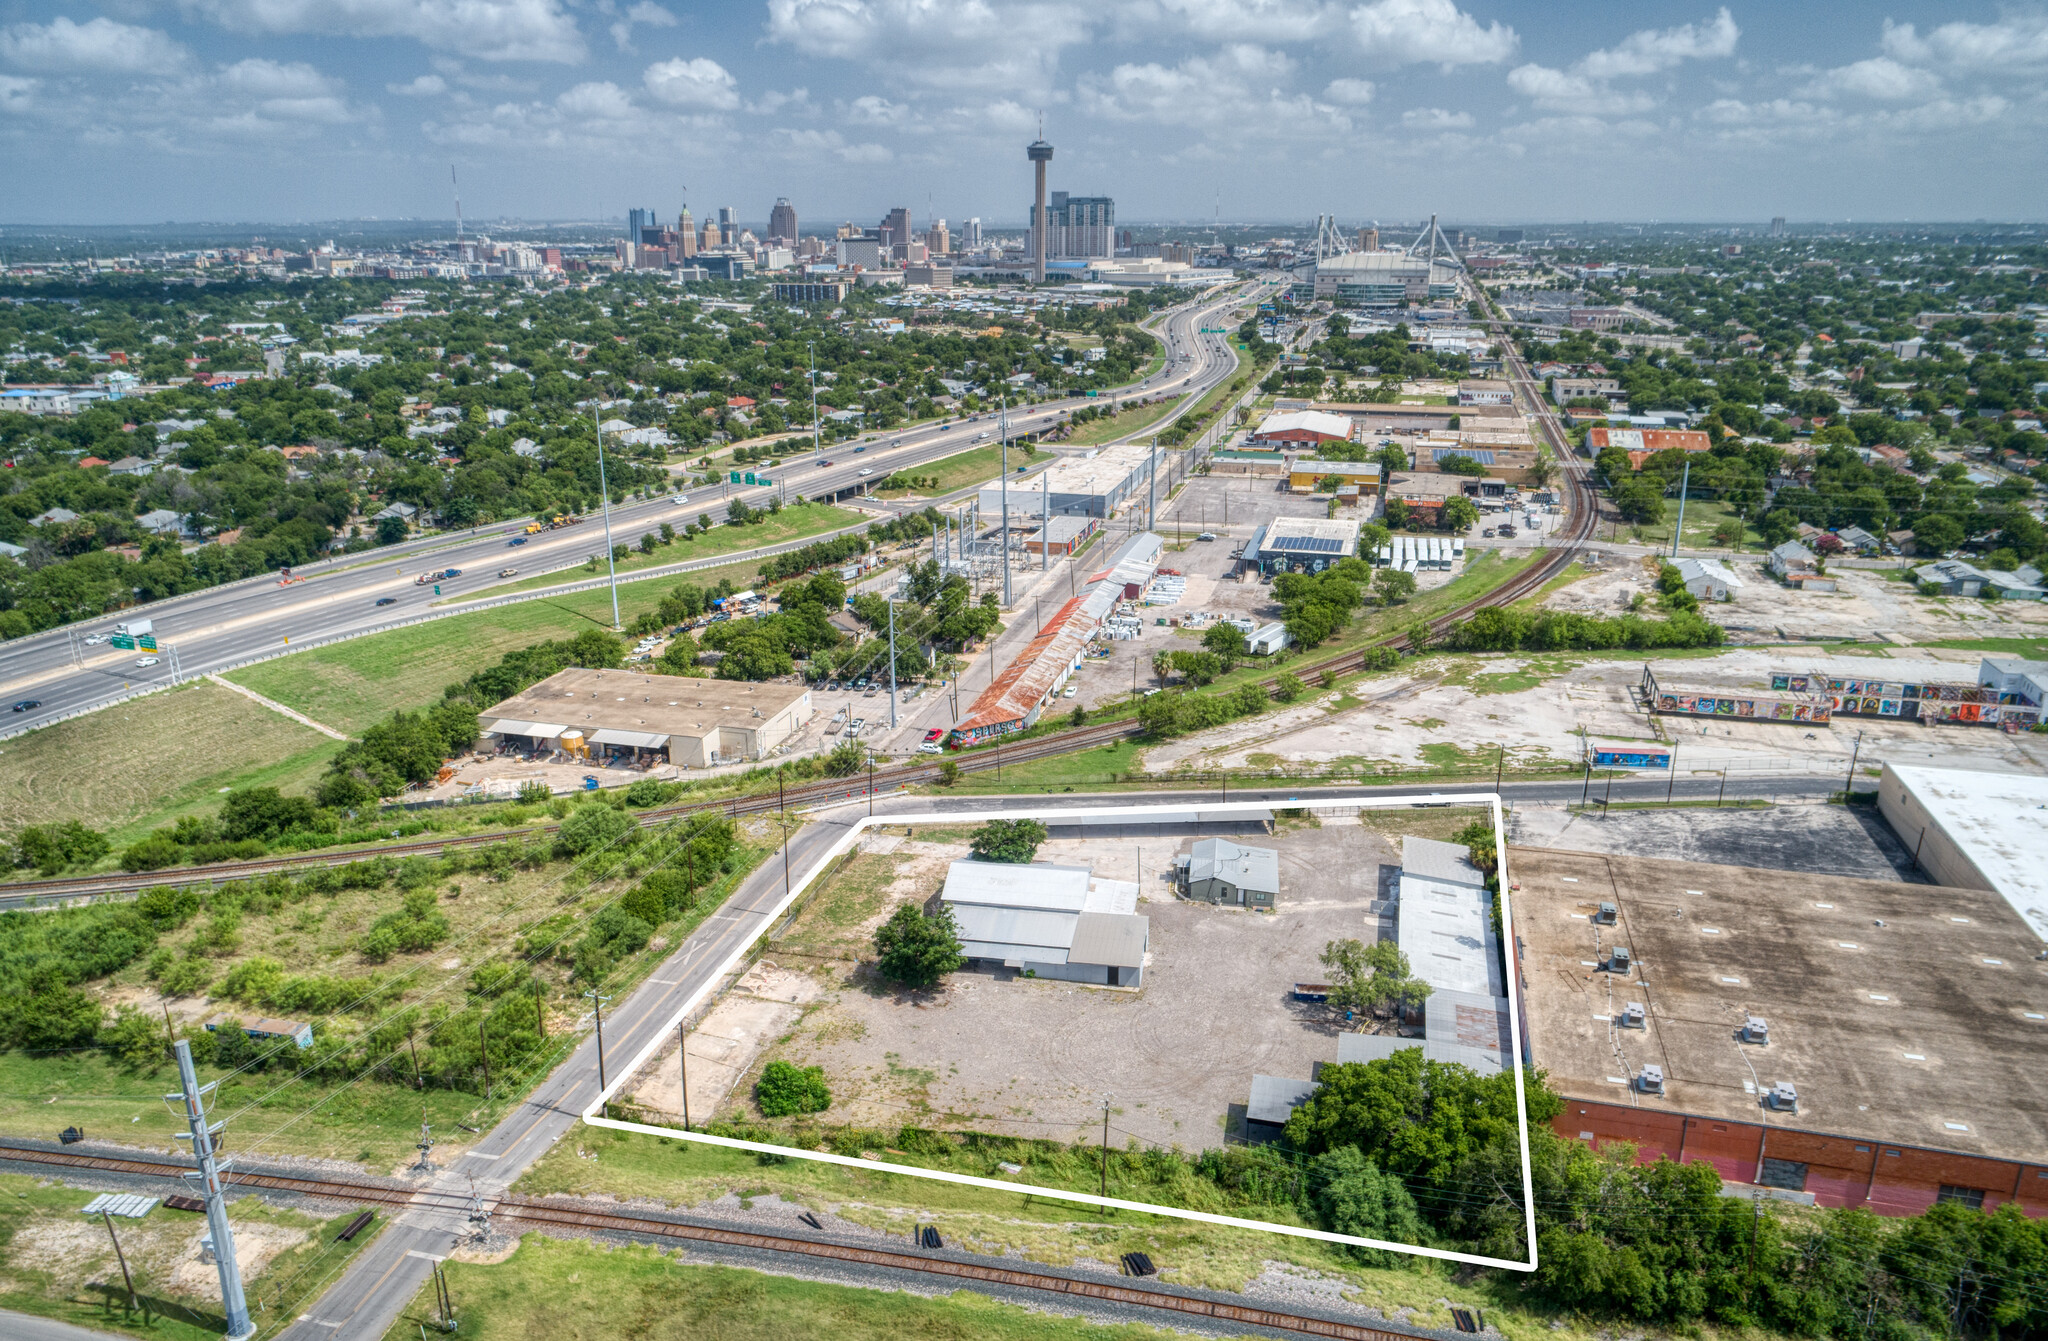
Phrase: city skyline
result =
(1182, 109)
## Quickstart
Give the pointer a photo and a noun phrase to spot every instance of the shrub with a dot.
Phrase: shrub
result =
(187, 977)
(591, 828)
(1008, 840)
(1288, 687)
(254, 980)
(167, 909)
(785, 1090)
(917, 948)
(418, 925)
(646, 904)
(50, 848)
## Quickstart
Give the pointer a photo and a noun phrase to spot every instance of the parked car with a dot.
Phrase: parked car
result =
(387, 600)
(1507, 533)
(1206, 535)
(1487, 533)
(28, 705)
(853, 728)
(934, 735)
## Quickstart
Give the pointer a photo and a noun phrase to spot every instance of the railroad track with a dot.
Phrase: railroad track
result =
(984, 758)
(553, 1215)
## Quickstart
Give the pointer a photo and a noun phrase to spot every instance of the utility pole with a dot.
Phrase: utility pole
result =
(817, 451)
(1105, 1147)
(1005, 546)
(597, 1004)
(483, 1049)
(194, 1098)
(683, 1061)
(1152, 485)
(120, 1257)
(611, 565)
(1849, 783)
(1045, 519)
(892, 665)
(1671, 782)
(1683, 481)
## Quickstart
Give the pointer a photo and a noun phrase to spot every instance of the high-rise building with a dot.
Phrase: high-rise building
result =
(782, 220)
(1040, 154)
(970, 233)
(686, 234)
(637, 220)
(938, 241)
(713, 239)
(1075, 227)
(1778, 226)
(728, 223)
(895, 227)
(1368, 239)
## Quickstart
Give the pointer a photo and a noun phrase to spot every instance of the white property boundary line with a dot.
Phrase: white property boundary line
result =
(593, 1115)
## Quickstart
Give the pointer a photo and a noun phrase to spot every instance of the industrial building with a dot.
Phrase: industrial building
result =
(1307, 474)
(1975, 830)
(1301, 428)
(1485, 391)
(1846, 1042)
(1061, 535)
(1095, 485)
(683, 720)
(1217, 870)
(1648, 441)
(1049, 921)
(1302, 544)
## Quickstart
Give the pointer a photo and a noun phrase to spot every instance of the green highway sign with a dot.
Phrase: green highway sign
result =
(732, 476)
(147, 642)
(751, 479)
(123, 642)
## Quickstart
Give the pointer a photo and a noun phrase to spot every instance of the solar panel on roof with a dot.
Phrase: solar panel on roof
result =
(1484, 458)
(1314, 544)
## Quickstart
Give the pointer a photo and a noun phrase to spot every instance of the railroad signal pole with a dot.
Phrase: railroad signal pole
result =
(192, 1099)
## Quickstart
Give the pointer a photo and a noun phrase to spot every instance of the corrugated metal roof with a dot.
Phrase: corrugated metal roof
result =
(1040, 885)
(1115, 939)
(1446, 932)
(1274, 1098)
(508, 726)
(1244, 867)
(1371, 1047)
(1018, 933)
(1111, 896)
(643, 740)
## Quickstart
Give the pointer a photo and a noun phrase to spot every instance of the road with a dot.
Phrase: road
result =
(370, 1295)
(227, 626)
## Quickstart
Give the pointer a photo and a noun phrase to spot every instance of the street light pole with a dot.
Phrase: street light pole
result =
(1849, 783)
(1004, 548)
(611, 565)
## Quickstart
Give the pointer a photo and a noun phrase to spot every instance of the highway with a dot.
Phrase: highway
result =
(227, 626)
(369, 1296)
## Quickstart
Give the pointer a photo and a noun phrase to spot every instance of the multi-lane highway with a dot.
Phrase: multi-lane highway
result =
(208, 631)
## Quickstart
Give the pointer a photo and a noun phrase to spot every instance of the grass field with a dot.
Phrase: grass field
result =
(792, 523)
(554, 1290)
(2034, 649)
(1097, 431)
(976, 466)
(143, 763)
(62, 1265)
(1702, 516)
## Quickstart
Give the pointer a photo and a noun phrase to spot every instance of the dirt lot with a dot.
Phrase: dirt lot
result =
(1869, 604)
(1035, 1057)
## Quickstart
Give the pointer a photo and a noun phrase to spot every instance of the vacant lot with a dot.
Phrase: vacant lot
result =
(145, 762)
(1032, 1057)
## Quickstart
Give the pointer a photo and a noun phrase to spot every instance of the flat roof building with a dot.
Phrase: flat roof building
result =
(1975, 830)
(1892, 1021)
(1305, 428)
(1095, 485)
(1049, 921)
(1308, 473)
(1302, 544)
(690, 721)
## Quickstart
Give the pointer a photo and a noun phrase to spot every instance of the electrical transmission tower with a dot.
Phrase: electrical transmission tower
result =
(192, 1101)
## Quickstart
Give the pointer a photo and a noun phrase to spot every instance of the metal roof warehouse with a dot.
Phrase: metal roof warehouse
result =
(692, 721)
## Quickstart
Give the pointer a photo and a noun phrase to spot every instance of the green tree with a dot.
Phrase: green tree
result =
(845, 759)
(591, 827)
(916, 948)
(785, 1090)
(1393, 586)
(1013, 841)
(1225, 640)
(1459, 513)
(1357, 1197)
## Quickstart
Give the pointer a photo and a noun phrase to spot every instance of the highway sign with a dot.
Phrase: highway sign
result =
(751, 479)
(732, 476)
(123, 642)
(147, 642)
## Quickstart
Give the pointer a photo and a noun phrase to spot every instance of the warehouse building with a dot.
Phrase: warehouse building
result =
(1845, 1042)
(1306, 474)
(1301, 428)
(1049, 921)
(1095, 485)
(1975, 830)
(1302, 544)
(683, 720)
(1217, 870)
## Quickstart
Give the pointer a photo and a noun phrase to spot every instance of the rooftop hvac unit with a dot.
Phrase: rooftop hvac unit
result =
(1756, 1030)
(1618, 959)
(1608, 915)
(1650, 1080)
(1782, 1097)
(1632, 1016)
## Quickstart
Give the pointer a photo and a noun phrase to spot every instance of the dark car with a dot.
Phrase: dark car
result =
(387, 600)
(453, 572)
(515, 540)
(858, 450)
(28, 705)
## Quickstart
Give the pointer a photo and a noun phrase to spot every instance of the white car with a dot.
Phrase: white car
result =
(96, 640)
(866, 470)
(145, 661)
(682, 499)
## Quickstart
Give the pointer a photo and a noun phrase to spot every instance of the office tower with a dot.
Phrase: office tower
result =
(938, 241)
(713, 239)
(686, 234)
(728, 224)
(637, 220)
(1368, 239)
(1040, 154)
(970, 233)
(896, 227)
(1075, 226)
(782, 220)
(1778, 226)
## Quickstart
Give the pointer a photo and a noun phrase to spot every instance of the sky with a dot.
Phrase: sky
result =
(1484, 111)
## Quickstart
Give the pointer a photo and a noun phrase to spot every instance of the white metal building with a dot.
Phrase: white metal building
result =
(1049, 921)
(1975, 830)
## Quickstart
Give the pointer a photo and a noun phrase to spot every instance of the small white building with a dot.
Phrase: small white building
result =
(1792, 557)
(1049, 921)
(1709, 579)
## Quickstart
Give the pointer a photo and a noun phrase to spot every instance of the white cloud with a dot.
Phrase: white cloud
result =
(1231, 20)
(1201, 88)
(1880, 78)
(426, 86)
(1435, 118)
(2017, 42)
(270, 79)
(16, 94)
(1566, 91)
(875, 111)
(98, 46)
(1350, 92)
(975, 45)
(528, 30)
(597, 100)
(1652, 51)
(813, 144)
(702, 82)
(647, 14)
(1429, 32)
(774, 100)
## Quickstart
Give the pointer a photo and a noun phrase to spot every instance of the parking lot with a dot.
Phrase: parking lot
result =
(1034, 1057)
